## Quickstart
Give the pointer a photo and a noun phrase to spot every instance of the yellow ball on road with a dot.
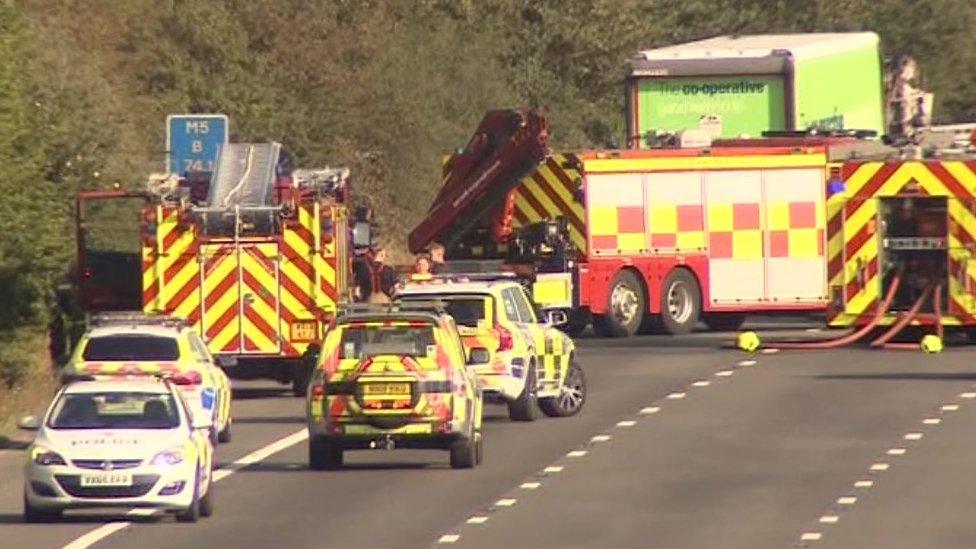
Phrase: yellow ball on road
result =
(749, 342)
(931, 344)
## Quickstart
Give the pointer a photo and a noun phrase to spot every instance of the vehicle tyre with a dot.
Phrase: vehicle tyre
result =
(626, 306)
(191, 513)
(464, 454)
(207, 502)
(323, 455)
(35, 514)
(572, 395)
(224, 435)
(724, 322)
(579, 319)
(680, 302)
(479, 450)
(302, 373)
(523, 408)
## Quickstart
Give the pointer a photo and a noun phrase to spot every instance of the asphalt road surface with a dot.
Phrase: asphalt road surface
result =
(682, 444)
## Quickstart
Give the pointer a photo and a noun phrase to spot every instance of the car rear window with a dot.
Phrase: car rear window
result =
(115, 410)
(131, 347)
(363, 341)
(466, 310)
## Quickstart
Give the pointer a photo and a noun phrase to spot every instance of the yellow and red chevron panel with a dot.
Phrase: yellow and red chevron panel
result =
(268, 296)
(852, 249)
(549, 192)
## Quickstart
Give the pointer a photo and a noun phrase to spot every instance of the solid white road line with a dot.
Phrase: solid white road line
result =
(261, 454)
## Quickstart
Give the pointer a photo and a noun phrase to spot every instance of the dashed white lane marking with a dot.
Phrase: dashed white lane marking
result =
(967, 395)
(576, 454)
(950, 407)
(812, 330)
(449, 538)
(932, 421)
(600, 438)
(530, 485)
(769, 351)
(479, 519)
(747, 363)
(261, 454)
(723, 373)
(702, 383)
(626, 423)
(879, 466)
(829, 519)
(507, 502)
(650, 410)
(553, 469)
(896, 451)
(864, 484)
(676, 396)
(913, 436)
(847, 500)
(811, 536)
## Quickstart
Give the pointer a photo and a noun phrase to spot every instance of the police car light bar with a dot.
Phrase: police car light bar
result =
(135, 317)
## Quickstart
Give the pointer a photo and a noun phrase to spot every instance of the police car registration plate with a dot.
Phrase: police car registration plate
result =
(93, 480)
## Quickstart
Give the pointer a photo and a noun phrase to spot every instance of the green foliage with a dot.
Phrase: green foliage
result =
(383, 86)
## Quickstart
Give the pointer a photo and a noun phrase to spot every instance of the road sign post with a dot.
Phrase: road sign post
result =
(193, 140)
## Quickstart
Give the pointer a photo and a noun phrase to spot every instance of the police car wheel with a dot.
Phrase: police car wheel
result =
(571, 396)
(523, 408)
(323, 455)
(479, 450)
(35, 514)
(191, 513)
(207, 503)
(464, 454)
(224, 435)
(680, 302)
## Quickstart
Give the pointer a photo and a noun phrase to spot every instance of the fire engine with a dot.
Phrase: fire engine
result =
(657, 239)
(257, 257)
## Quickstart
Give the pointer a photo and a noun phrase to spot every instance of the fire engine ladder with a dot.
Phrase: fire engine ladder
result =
(507, 145)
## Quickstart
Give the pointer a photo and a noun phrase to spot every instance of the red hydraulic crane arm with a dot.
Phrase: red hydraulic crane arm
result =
(507, 145)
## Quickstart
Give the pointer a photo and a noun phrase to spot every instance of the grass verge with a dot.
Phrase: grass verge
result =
(28, 382)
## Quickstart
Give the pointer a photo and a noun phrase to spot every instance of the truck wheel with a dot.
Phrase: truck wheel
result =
(579, 319)
(323, 455)
(625, 307)
(464, 454)
(571, 397)
(680, 302)
(523, 408)
(724, 322)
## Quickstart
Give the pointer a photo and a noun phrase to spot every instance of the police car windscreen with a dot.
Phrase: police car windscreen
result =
(115, 410)
(131, 347)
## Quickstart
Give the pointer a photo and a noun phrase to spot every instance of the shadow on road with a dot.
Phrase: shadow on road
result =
(252, 393)
(926, 376)
(350, 467)
(11, 444)
(86, 518)
(280, 420)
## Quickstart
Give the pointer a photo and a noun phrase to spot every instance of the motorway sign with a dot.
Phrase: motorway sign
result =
(192, 141)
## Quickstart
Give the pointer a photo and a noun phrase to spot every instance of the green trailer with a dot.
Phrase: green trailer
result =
(745, 85)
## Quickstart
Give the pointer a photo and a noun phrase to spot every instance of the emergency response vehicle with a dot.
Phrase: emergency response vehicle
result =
(129, 442)
(126, 344)
(531, 361)
(256, 258)
(639, 239)
(391, 378)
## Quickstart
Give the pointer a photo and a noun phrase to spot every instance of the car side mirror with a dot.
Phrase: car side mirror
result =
(29, 423)
(556, 318)
(478, 356)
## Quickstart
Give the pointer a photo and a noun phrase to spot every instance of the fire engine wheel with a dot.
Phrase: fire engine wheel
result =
(625, 307)
(680, 302)
(724, 322)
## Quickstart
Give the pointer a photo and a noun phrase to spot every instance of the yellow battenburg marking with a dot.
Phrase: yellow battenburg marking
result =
(631, 241)
(747, 244)
(778, 216)
(803, 243)
(664, 218)
(720, 217)
(690, 240)
(603, 220)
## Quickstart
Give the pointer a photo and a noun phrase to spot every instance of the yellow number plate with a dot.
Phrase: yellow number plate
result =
(304, 331)
(386, 389)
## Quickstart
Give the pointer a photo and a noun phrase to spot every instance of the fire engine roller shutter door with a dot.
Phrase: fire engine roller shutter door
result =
(674, 210)
(735, 237)
(794, 220)
(615, 214)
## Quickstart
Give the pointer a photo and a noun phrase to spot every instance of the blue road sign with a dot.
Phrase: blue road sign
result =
(192, 141)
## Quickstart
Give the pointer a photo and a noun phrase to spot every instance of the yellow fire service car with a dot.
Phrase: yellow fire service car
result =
(127, 442)
(530, 361)
(394, 379)
(137, 344)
